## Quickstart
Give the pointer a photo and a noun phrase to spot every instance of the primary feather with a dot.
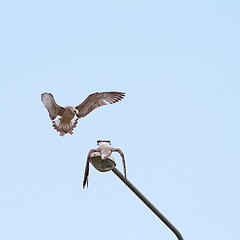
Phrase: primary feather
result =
(96, 100)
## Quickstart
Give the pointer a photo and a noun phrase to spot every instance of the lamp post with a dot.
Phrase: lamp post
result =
(107, 164)
(148, 203)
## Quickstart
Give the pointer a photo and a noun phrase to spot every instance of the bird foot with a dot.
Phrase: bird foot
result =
(70, 132)
(62, 133)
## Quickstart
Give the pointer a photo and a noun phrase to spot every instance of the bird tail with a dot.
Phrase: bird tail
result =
(65, 127)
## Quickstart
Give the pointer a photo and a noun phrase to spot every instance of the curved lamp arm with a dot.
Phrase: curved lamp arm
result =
(148, 203)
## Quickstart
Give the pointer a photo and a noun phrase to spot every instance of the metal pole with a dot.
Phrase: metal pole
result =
(148, 203)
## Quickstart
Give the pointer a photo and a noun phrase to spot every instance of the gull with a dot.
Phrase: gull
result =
(105, 151)
(69, 115)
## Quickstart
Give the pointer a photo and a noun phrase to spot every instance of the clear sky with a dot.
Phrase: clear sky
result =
(177, 61)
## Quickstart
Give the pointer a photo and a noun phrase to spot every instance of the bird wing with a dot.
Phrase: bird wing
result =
(98, 99)
(123, 160)
(53, 108)
(86, 173)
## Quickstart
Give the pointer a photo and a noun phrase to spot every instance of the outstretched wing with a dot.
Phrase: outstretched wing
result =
(96, 100)
(53, 108)
(86, 173)
(123, 160)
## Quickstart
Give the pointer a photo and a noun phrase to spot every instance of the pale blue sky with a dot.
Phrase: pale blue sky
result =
(177, 61)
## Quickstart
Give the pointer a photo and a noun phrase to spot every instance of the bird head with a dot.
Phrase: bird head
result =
(103, 142)
(75, 111)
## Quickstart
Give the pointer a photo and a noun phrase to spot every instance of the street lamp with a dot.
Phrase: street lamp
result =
(107, 164)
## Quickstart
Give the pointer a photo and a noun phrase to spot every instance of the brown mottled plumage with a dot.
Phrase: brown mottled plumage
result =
(69, 115)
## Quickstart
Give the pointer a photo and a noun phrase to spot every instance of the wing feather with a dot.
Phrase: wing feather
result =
(53, 108)
(98, 99)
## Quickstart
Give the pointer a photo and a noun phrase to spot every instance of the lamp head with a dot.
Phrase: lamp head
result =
(102, 165)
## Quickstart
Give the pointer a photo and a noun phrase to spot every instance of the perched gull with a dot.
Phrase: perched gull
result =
(105, 150)
(69, 115)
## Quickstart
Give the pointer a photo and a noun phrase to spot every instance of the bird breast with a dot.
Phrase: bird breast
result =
(68, 115)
